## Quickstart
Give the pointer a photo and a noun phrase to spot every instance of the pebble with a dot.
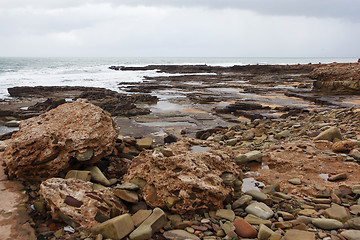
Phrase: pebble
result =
(264, 232)
(294, 234)
(338, 177)
(244, 229)
(260, 209)
(242, 201)
(257, 195)
(295, 181)
(337, 212)
(225, 214)
(327, 224)
(351, 234)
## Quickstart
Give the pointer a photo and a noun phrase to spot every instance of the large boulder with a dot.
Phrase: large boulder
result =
(185, 181)
(75, 202)
(337, 77)
(71, 134)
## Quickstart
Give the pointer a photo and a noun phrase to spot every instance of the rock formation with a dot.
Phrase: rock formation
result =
(339, 77)
(56, 141)
(185, 181)
(76, 203)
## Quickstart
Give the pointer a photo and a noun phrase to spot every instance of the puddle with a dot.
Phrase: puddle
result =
(4, 129)
(197, 148)
(251, 184)
(166, 124)
(166, 106)
(324, 176)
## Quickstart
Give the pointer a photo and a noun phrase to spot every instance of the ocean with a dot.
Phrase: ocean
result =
(94, 72)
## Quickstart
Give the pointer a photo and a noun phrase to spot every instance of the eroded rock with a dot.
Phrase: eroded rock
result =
(77, 203)
(193, 179)
(48, 144)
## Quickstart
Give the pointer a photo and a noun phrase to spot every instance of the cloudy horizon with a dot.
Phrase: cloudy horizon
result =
(198, 28)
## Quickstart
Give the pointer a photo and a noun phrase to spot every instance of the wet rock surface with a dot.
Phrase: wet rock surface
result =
(58, 140)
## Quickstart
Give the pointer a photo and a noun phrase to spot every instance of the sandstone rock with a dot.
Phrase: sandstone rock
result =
(179, 235)
(242, 201)
(295, 181)
(260, 209)
(192, 177)
(354, 223)
(144, 142)
(255, 220)
(328, 224)
(150, 226)
(82, 175)
(115, 228)
(338, 177)
(98, 176)
(244, 229)
(329, 134)
(126, 195)
(337, 77)
(257, 195)
(337, 212)
(264, 232)
(356, 189)
(248, 157)
(343, 146)
(140, 216)
(225, 214)
(78, 202)
(46, 145)
(294, 234)
(351, 234)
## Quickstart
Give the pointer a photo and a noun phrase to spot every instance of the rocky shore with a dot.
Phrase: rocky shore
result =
(286, 172)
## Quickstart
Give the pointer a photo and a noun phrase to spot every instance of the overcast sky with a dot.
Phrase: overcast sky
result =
(180, 28)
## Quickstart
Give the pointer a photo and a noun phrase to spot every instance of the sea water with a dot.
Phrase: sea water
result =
(95, 72)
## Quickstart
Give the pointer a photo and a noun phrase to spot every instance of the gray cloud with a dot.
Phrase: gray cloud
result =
(178, 28)
(346, 9)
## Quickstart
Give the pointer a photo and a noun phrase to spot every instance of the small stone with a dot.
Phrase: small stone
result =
(343, 146)
(356, 189)
(144, 142)
(151, 225)
(329, 134)
(327, 224)
(248, 157)
(175, 219)
(255, 220)
(275, 236)
(98, 176)
(126, 195)
(225, 214)
(351, 234)
(115, 228)
(171, 201)
(354, 223)
(85, 155)
(179, 234)
(321, 200)
(307, 212)
(71, 201)
(229, 229)
(295, 181)
(140, 216)
(338, 177)
(244, 229)
(190, 229)
(264, 232)
(257, 195)
(260, 209)
(355, 209)
(285, 215)
(294, 234)
(337, 212)
(82, 175)
(242, 201)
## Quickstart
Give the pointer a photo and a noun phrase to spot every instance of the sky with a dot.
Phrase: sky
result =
(179, 28)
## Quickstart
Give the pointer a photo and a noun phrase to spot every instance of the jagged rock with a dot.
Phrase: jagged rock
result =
(192, 177)
(48, 144)
(337, 77)
(98, 176)
(78, 202)
(115, 228)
